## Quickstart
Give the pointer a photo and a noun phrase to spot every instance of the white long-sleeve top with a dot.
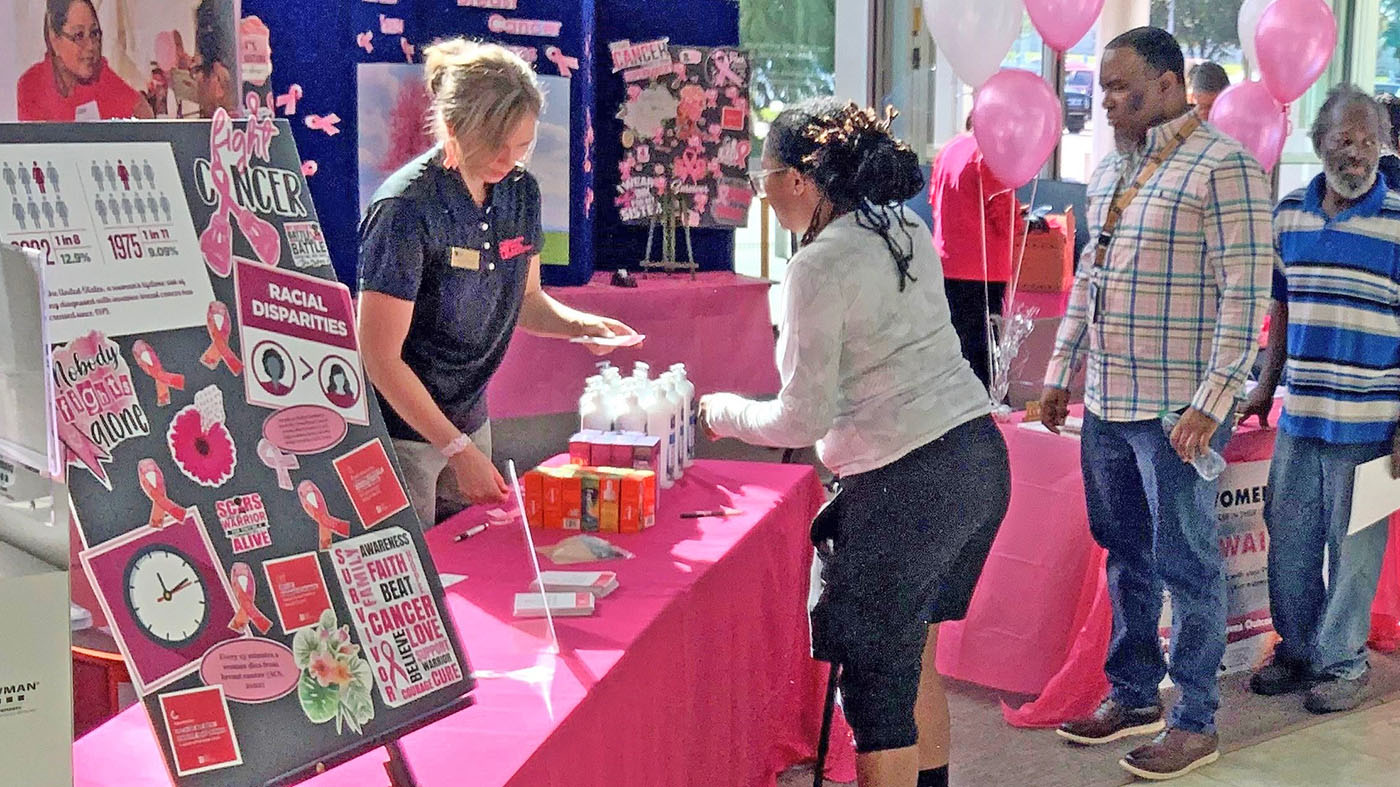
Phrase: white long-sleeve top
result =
(869, 373)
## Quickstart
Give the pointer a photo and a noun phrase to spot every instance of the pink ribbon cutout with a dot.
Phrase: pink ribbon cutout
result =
(220, 327)
(78, 446)
(280, 461)
(288, 101)
(407, 49)
(152, 482)
(365, 40)
(244, 591)
(690, 166)
(309, 168)
(314, 504)
(149, 362)
(392, 667)
(566, 65)
(216, 242)
(724, 68)
(326, 123)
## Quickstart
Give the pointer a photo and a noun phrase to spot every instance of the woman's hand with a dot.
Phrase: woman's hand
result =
(477, 479)
(603, 327)
(702, 417)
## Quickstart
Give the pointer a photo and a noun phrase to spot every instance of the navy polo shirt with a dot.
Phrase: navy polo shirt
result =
(464, 266)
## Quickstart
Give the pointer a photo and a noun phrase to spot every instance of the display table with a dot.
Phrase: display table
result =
(717, 324)
(1040, 618)
(696, 671)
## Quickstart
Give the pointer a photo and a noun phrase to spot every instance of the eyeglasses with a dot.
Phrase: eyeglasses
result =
(81, 37)
(758, 180)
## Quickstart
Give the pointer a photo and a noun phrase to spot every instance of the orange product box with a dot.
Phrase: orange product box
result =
(648, 497)
(571, 497)
(533, 484)
(609, 496)
(629, 505)
(552, 514)
(588, 483)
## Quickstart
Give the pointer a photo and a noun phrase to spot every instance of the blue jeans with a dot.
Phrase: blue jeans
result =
(1156, 517)
(1323, 627)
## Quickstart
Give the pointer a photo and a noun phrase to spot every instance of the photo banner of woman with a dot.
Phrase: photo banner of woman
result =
(80, 60)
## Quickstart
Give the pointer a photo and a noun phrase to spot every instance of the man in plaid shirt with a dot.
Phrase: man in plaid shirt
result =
(1165, 309)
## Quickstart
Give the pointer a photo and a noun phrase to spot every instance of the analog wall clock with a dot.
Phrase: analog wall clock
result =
(166, 596)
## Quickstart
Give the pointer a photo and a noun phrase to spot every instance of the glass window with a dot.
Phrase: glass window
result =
(791, 44)
(1078, 90)
(1207, 30)
(792, 49)
(1388, 49)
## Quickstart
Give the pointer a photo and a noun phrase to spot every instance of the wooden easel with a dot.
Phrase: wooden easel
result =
(672, 214)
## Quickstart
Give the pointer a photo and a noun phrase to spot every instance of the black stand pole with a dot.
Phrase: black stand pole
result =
(823, 743)
(400, 775)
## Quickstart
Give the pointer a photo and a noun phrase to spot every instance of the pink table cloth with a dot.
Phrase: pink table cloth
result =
(696, 671)
(718, 325)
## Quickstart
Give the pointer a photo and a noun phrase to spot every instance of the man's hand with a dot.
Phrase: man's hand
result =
(1191, 437)
(605, 327)
(477, 479)
(1054, 407)
(1259, 403)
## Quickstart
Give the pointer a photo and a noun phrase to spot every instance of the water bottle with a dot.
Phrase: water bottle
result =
(687, 391)
(1209, 465)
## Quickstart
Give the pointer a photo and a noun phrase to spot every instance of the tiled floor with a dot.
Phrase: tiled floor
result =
(1356, 750)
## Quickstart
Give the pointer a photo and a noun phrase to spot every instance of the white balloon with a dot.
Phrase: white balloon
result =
(974, 36)
(1248, 25)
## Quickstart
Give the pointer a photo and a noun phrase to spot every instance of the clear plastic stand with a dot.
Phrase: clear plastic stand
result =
(536, 643)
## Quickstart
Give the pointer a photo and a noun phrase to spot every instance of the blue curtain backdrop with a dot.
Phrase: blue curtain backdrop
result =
(315, 44)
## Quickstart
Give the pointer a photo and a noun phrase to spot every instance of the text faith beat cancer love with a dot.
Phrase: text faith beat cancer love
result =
(396, 616)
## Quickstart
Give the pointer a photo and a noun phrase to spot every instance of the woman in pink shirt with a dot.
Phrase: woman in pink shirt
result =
(73, 81)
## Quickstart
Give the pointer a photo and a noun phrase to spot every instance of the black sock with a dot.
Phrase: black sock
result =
(934, 777)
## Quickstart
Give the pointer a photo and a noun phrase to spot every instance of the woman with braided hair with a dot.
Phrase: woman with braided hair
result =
(873, 372)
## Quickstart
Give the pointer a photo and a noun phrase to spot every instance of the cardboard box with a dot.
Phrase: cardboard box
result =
(646, 453)
(571, 497)
(533, 483)
(552, 517)
(649, 491)
(630, 501)
(588, 483)
(609, 496)
(1048, 265)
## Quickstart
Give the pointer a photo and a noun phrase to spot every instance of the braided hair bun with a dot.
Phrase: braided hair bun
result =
(855, 161)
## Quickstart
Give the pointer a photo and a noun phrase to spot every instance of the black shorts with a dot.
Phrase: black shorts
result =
(909, 544)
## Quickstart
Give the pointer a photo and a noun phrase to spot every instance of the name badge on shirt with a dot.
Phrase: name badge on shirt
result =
(467, 259)
(87, 112)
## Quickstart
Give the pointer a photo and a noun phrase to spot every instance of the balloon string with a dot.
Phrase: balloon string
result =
(1019, 255)
(986, 285)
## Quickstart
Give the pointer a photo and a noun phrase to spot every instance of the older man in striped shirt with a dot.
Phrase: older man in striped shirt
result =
(1338, 297)
(1165, 309)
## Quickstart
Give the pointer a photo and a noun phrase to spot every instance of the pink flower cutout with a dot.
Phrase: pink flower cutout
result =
(206, 457)
(324, 668)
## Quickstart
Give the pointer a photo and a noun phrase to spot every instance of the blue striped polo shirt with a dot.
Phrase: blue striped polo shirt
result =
(1341, 280)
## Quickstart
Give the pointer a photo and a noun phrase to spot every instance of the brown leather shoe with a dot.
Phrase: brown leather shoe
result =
(1174, 753)
(1111, 722)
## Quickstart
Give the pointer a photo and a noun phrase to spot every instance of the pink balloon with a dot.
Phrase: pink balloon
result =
(1249, 113)
(1294, 41)
(1016, 118)
(1063, 23)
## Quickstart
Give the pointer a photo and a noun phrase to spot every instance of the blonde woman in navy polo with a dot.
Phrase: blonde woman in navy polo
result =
(449, 265)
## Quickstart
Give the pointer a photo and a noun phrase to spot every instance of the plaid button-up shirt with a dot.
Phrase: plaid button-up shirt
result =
(1182, 292)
